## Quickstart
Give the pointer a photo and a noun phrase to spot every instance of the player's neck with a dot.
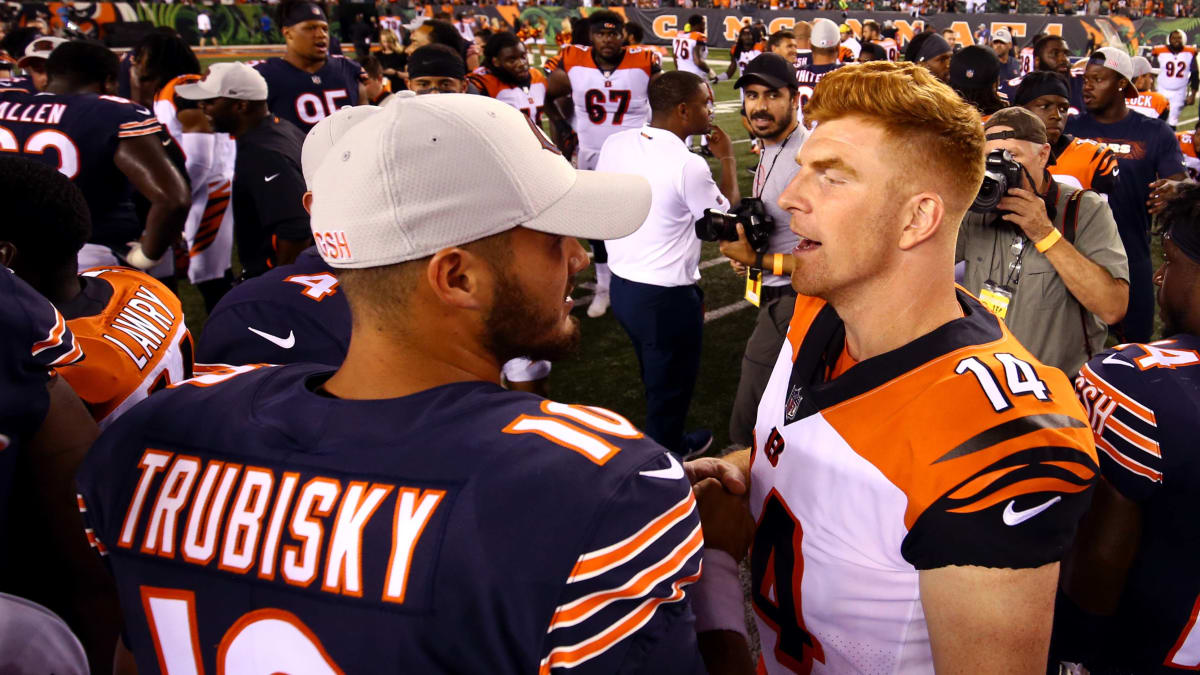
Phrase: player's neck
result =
(605, 64)
(1113, 113)
(383, 364)
(820, 58)
(59, 286)
(303, 62)
(887, 314)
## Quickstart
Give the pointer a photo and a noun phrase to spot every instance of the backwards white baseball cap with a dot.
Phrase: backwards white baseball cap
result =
(825, 34)
(1141, 66)
(40, 48)
(1117, 60)
(327, 132)
(227, 80)
(430, 172)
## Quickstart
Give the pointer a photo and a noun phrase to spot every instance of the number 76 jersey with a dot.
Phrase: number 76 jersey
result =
(958, 448)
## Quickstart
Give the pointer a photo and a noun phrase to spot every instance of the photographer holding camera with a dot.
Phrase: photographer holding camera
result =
(769, 89)
(654, 292)
(1043, 256)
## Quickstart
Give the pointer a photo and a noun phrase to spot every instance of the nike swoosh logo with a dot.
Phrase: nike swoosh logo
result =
(1112, 360)
(271, 177)
(673, 472)
(1014, 517)
(166, 142)
(285, 343)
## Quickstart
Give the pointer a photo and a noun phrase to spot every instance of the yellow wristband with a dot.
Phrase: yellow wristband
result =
(777, 265)
(1049, 240)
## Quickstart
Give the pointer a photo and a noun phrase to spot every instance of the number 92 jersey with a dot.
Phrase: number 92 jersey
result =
(305, 98)
(958, 448)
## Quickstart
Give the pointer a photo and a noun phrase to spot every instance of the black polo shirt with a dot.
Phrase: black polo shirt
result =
(268, 188)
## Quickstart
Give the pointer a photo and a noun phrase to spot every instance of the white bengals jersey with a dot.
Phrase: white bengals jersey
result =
(1174, 70)
(530, 99)
(890, 47)
(685, 46)
(958, 448)
(1028, 61)
(607, 102)
(209, 227)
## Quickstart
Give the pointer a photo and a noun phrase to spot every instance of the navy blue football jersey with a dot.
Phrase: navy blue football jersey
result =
(291, 314)
(305, 98)
(24, 84)
(33, 339)
(1144, 404)
(78, 135)
(251, 518)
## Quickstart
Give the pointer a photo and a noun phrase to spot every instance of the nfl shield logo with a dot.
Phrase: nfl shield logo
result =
(316, 79)
(793, 404)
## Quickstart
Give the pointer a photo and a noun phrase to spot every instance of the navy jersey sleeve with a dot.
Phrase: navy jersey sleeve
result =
(1169, 156)
(131, 120)
(33, 339)
(623, 608)
(1124, 391)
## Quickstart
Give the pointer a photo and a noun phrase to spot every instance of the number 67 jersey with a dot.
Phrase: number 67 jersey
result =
(958, 448)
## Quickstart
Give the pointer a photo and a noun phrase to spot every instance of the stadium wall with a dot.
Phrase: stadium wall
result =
(239, 23)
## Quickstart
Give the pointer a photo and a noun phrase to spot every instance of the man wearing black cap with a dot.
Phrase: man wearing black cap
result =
(308, 83)
(1148, 156)
(436, 69)
(770, 94)
(1079, 162)
(931, 51)
(974, 72)
(1047, 258)
(1133, 575)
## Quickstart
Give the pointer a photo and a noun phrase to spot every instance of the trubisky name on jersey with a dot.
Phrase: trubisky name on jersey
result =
(142, 326)
(281, 526)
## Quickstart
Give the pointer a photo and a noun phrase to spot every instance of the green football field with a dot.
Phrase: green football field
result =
(605, 371)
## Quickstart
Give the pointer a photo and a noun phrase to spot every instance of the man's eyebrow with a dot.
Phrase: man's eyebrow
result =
(833, 163)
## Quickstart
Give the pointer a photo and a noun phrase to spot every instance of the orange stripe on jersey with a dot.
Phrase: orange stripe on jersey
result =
(54, 337)
(598, 562)
(1132, 437)
(567, 657)
(69, 358)
(1132, 465)
(807, 309)
(643, 583)
(1025, 487)
(1140, 411)
(167, 93)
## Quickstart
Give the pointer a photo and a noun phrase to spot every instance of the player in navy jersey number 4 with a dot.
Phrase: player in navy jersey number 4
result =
(1131, 591)
(402, 511)
(307, 83)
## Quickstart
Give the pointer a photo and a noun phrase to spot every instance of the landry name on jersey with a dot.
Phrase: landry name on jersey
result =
(78, 135)
(34, 339)
(529, 99)
(250, 519)
(1144, 409)
(291, 314)
(608, 101)
(305, 98)
(135, 339)
(958, 448)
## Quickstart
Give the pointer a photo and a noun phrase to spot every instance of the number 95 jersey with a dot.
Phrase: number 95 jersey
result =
(958, 448)
(305, 98)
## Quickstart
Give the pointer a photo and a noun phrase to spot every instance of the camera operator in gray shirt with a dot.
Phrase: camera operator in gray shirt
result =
(769, 101)
(1044, 256)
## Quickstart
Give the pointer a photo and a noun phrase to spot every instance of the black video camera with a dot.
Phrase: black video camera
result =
(1001, 172)
(722, 226)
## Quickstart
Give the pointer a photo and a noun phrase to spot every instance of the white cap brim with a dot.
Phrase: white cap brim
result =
(601, 205)
(195, 91)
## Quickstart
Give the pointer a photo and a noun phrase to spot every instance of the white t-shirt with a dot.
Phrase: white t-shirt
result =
(664, 251)
(203, 23)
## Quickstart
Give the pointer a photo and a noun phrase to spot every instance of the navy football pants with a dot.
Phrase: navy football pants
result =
(665, 324)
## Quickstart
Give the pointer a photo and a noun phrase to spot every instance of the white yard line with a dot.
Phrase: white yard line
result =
(726, 310)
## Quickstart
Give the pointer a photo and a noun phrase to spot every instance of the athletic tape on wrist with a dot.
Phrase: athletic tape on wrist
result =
(137, 259)
(717, 597)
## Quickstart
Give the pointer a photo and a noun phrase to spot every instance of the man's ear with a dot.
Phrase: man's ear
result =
(8, 253)
(922, 219)
(459, 278)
